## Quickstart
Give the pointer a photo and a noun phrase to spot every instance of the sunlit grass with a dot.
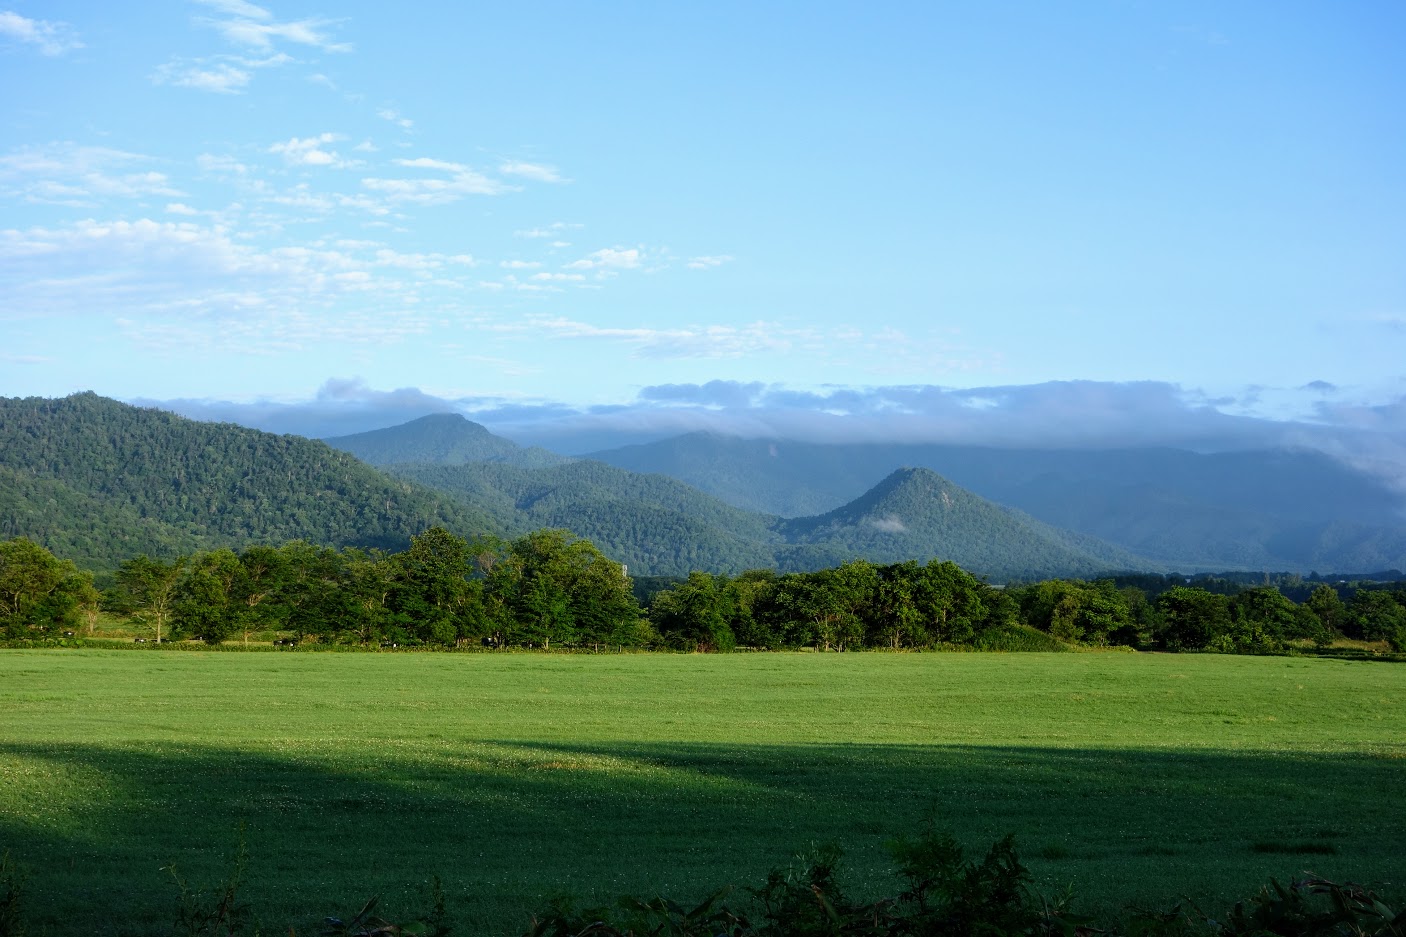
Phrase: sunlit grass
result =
(515, 777)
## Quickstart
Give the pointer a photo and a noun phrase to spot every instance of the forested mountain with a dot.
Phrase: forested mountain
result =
(916, 513)
(1266, 509)
(659, 526)
(99, 481)
(440, 439)
(653, 524)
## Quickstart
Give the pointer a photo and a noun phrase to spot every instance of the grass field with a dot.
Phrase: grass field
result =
(514, 777)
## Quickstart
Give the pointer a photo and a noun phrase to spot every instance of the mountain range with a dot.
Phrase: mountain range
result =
(99, 481)
(1267, 509)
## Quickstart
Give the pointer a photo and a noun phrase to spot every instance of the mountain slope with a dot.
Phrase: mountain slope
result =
(653, 524)
(659, 526)
(916, 513)
(440, 439)
(99, 481)
(1267, 509)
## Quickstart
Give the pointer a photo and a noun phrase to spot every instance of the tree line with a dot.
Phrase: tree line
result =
(550, 588)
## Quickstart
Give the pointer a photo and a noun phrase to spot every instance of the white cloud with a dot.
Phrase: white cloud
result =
(238, 8)
(519, 264)
(221, 74)
(462, 181)
(51, 38)
(308, 151)
(424, 162)
(178, 208)
(215, 77)
(390, 114)
(67, 174)
(711, 341)
(708, 262)
(609, 258)
(552, 230)
(537, 172)
(221, 164)
(261, 34)
(890, 524)
(559, 277)
(192, 286)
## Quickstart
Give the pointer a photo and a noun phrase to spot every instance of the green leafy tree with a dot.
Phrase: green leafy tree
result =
(206, 600)
(39, 593)
(567, 590)
(696, 614)
(148, 588)
(1380, 616)
(1328, 607)
(436, 592)
(1192, 618)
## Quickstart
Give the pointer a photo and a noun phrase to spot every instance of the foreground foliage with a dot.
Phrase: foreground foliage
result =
(943, 893)
(549, 588)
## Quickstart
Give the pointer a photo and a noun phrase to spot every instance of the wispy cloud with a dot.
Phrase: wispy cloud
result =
(238, 8)
(537, 172)
(182, 284)
(394, 116)
(263, 32)
(49, 37)
(609, 259)
(709, 262)
(312, 151)
(552, 230)
(215, 77)
(713, 341)
(80, 176)
(459, 181)
(221, 74)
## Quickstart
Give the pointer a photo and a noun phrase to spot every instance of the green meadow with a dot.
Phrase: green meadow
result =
(1132, 778)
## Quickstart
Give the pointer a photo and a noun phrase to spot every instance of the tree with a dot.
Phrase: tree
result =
(39, 593)
(1191, 618)
(895, 619)
(258, 590)
(435, 589)
(1325, 603)
(568, 590)
(149, 586)
(206, 601)
(1262, 618)
(694, 615)
(1380, 617)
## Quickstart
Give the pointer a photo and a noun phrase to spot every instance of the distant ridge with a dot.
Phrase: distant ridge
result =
(1266, 509)
(440, 439)
(659, 526)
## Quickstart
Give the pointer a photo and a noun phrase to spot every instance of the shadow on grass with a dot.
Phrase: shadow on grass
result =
(506, 825)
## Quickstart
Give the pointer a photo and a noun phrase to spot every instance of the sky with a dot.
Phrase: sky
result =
(583, 224)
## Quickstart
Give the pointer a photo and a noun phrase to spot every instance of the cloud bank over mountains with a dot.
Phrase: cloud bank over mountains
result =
(1052, 415)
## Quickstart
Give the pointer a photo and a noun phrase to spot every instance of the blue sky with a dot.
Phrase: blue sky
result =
(1071, 223)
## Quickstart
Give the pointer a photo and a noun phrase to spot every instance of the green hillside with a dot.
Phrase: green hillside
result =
(659, 526)
(99, 481)
(916, 513)
(440, 439)
(653, 524)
